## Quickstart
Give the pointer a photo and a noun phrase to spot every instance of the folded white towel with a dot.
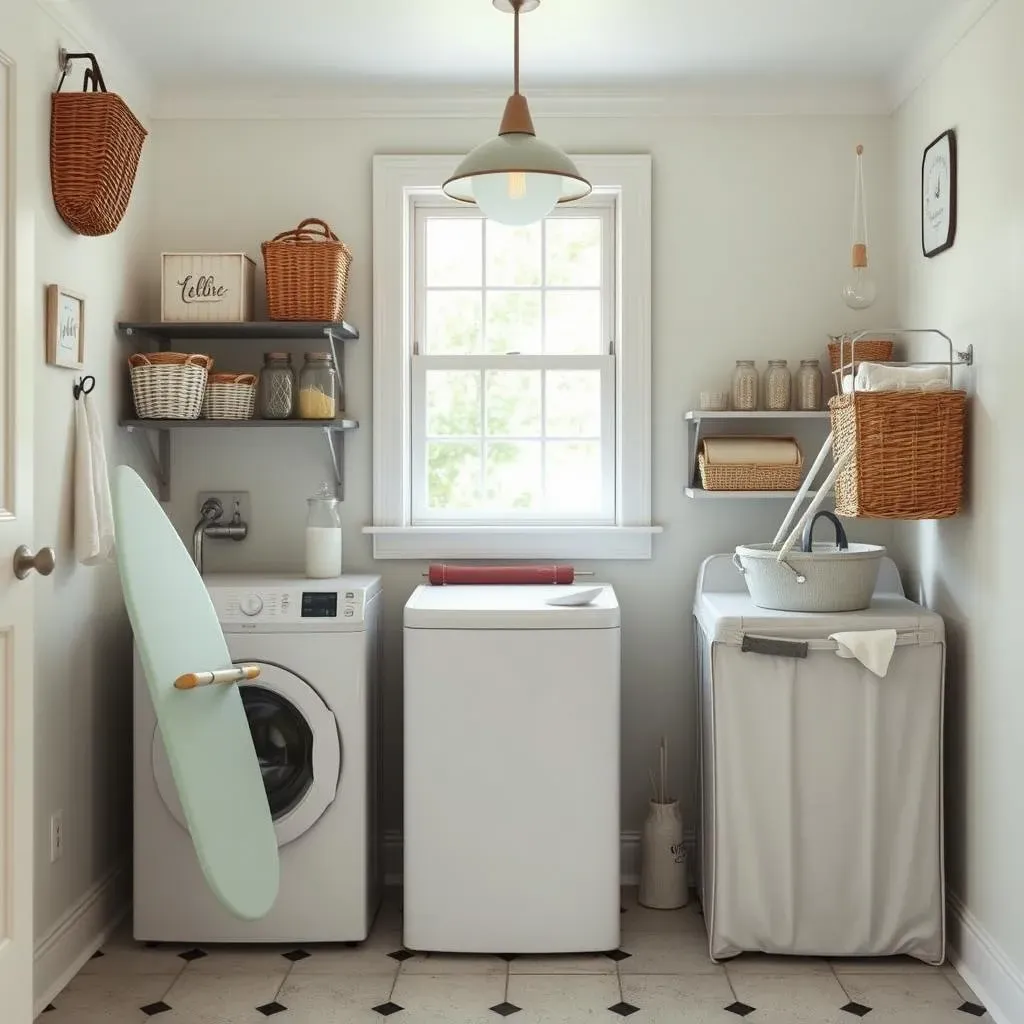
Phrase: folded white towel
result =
(871, 647)
(94, 517)
(880, 377)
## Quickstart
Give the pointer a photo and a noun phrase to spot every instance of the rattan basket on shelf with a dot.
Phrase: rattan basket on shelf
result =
(862, 350)
(307, 273)
(229, 396)
(168, 385)
(735, 476)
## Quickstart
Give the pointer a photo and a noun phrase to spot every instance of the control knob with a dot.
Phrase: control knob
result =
(252, 604)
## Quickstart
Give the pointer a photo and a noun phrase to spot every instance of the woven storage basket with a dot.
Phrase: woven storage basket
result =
(863, 350)
(168, 385)
(909, 456)
(730, 476)
(229, 396)
(95, 145)
(307, 273)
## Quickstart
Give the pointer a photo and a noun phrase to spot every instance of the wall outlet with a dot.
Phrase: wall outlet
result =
(56, 836)
(230, 500)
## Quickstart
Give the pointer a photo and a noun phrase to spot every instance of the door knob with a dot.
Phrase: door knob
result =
(42, 561)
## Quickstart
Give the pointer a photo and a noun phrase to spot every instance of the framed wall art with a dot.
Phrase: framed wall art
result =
(938, 195)
(65, 327)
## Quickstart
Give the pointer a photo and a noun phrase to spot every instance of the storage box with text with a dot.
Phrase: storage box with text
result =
(207, 287)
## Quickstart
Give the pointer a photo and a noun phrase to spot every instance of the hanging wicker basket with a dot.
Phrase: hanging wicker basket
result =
(860, 350)
(307, 273)
(229, 396)
(168, 385)
(95, 145)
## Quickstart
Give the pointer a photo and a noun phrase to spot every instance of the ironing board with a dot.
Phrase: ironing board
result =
(204, 728)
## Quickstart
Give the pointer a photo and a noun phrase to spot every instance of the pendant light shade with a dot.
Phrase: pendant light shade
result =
(516, 178)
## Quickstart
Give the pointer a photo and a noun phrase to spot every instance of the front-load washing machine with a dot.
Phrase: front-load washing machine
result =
(314, 713)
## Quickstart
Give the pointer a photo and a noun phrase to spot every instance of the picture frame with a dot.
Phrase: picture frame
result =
(65, 327)
(939, 194)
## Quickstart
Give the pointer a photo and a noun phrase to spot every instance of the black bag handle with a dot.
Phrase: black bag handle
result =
(808, 537)
(92, 81)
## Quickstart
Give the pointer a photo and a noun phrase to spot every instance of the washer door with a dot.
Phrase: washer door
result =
(298, 747)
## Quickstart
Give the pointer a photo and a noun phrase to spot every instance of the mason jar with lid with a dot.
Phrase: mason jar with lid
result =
(778, 386)
(744, 386)
(318, 387)
(809, 386)
(276, 391)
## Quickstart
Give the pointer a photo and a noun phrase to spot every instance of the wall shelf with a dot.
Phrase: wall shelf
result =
(163, 334)
(700, 494)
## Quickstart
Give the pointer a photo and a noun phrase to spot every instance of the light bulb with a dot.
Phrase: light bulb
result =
(860, 290)
(516, 198)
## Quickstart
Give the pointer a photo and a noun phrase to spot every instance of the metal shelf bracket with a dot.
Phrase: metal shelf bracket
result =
(159, 460)
(336, 447)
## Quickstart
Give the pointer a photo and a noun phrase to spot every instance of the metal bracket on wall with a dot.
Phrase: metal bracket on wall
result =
(159, 460)
(336, 446)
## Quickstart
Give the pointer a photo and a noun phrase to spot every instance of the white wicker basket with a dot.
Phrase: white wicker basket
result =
(168, 385)
(230, 396)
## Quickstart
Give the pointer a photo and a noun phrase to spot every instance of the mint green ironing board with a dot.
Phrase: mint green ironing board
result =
(209, 745)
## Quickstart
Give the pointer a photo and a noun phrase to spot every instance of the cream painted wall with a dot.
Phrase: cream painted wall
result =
(751, 239)
(970, 568)
(83, 653)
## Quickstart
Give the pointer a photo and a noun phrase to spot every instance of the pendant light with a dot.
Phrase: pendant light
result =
(516, 178)
(860, 291)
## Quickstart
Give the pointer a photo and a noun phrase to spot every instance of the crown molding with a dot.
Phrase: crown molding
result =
(750, 97)
(949, 30)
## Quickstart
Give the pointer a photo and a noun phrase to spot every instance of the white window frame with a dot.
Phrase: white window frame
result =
(399, 184)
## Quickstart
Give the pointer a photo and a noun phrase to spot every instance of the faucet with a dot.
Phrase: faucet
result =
(210, 525)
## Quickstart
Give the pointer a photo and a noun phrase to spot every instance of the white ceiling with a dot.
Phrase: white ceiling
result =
(584, 43)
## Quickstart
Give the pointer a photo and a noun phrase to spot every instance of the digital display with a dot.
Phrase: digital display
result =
(320, 606)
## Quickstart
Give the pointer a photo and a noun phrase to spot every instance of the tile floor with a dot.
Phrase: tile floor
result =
(662, 973)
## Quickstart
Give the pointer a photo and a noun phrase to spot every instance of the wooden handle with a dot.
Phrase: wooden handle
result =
(302, 231)
(191, 680)
(860, 255)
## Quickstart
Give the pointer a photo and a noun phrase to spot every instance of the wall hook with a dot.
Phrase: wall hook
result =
(84, 386)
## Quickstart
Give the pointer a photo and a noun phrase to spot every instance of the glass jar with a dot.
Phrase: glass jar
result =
(276, 391)
(778, 386)
(809, 386)
(318, 387)
(323, 535)
(744, 386)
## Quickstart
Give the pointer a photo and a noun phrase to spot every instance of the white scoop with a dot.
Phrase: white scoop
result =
(575, 598)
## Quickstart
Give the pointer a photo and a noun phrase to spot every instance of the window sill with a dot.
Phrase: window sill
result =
(529, 542)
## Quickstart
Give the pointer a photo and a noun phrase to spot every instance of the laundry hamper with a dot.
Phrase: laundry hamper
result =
(229, 396)
(307, 273)
(168, 385)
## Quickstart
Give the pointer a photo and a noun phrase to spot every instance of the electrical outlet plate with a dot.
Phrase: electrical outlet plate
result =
(56, 836)
(228, 499)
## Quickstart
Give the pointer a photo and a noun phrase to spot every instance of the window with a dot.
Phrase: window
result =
(512, 370)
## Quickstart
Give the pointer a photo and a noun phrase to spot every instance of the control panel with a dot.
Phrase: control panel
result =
(294, 605)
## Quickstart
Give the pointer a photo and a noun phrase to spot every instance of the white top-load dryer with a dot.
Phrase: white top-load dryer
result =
(821, 782)
(511, 771)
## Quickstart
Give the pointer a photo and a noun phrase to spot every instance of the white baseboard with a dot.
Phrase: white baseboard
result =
(629, 856)
(61, 953)
(984, 965)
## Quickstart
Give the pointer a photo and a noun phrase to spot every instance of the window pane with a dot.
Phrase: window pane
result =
(513, 403)
(514, 479)
(453, 403)
(455, 251)
(572, 323)
(513, 322)
(573, 476)
(573, 403)
(573, 251)
(453, 475)
(513, 255)
(454, 322)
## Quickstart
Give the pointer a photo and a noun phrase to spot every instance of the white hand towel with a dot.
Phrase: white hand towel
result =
(871, 647)
(94, 517)
(882, 377)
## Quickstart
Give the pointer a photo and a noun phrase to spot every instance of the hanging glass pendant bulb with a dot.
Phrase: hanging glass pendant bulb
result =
(860, 290)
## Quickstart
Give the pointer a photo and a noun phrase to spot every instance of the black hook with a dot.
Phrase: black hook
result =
(84, 386)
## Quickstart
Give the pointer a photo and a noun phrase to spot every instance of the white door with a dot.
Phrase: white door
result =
(20, 346)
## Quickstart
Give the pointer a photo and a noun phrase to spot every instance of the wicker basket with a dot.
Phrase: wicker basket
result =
(95, 145)
(229, 396)
(863, 350)
(733, 476)
(307, 273)
(909, 456)
(168, 385)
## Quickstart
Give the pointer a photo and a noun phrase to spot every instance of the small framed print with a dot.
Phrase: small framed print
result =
(938, 195)
(65, 328)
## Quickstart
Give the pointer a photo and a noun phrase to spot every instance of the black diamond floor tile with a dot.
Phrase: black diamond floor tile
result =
(154, 1008)
(386, 1009)
(857, 1009)
(624, 1009)
(973, 1009)
(401, 954)
(505, 1009)
(193, 954)
(740, 1009)
(618, 954)
(295, 955)
(269, 1009)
